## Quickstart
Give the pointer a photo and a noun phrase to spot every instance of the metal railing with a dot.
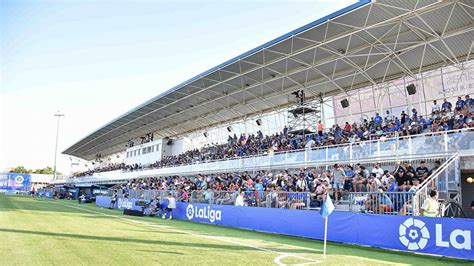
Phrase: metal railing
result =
(445, 180)
(265, 199)
(392, 203)
(394, 148)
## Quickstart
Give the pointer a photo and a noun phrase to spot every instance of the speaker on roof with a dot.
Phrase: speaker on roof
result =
(259, 122)
(229, 128)
(205, 134)
(345, 103)
(411, 89)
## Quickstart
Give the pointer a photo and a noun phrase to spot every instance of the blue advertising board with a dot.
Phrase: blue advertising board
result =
(15, 182)
(437, 236)
(120, 203)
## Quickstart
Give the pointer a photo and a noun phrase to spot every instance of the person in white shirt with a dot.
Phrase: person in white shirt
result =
(170, 207)
(435, 107)
(377, 171)
(239, 201)
(386, 176)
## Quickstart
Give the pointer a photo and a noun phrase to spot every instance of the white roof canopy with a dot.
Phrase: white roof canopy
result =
(364, 44)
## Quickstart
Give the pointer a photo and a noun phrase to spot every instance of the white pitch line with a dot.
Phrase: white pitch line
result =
(276, 260)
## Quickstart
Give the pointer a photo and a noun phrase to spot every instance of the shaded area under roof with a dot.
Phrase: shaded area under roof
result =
(364, 44)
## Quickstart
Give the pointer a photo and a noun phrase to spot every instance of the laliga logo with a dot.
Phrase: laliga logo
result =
(204, 213)
(124, 204)
(19, 179)
(190, 212)
(413, 241)
(414, 235)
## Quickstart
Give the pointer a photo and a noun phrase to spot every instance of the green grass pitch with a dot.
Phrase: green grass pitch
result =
(60, 232)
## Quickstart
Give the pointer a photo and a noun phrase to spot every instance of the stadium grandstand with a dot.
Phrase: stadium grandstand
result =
(371, 105)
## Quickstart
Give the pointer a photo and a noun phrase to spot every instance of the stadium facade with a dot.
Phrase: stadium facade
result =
(401, 72)
(384, 57)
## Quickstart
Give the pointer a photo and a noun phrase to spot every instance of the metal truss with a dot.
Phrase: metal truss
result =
(372, 51)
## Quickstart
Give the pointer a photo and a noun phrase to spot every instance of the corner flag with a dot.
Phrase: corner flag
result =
(327, 207)
(326, 210)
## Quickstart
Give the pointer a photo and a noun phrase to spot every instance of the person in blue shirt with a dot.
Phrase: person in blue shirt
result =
(459, 104)
(468, 101)
(259, 189)
(378, 119)
(446, 105)
(422, 122)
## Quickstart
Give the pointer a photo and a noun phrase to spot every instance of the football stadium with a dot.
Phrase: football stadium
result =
(348, 140)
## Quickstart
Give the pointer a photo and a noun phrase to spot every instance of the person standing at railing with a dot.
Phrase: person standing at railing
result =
(258, 191)
(435, 107)
(349, 172)
(446, 106)
(239, 201)
(460, 104)
(320, 128)
(339, 180)
(378, 119)
(430, 207)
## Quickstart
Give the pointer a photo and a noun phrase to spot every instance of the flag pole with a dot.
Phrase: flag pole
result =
(325, 237)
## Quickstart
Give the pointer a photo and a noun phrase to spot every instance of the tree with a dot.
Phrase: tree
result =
(45, 171)
(21, 170)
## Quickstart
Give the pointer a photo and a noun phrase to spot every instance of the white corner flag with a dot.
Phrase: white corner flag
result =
(325, 211)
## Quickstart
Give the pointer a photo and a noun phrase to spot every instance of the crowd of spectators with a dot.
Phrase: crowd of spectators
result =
(443, 117)
(403, 177)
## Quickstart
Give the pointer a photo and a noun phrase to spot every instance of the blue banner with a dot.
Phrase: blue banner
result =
(15, 182)
(437, 236)
(120, 203)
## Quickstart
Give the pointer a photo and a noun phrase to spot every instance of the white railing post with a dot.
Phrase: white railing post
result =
(350, 151)
(378, 148)
(409, 146)
(446, 141)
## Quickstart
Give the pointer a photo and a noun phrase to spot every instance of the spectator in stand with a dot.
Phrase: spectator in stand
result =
(447, 106)
(373, 183)
(359, 182)
(239, 201)
(320, 128)
(377, 171)
(460, 104)
(347, 127)
(468, 101)
(435, 107)
(400, 177)
(259, 143)
(437, 165)
(422, 171)
(392, 185)
(378, 120)
(349, 172)
(386, 177)
(339, 180)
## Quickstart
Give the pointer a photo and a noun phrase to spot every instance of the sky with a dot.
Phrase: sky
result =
(95, 60)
